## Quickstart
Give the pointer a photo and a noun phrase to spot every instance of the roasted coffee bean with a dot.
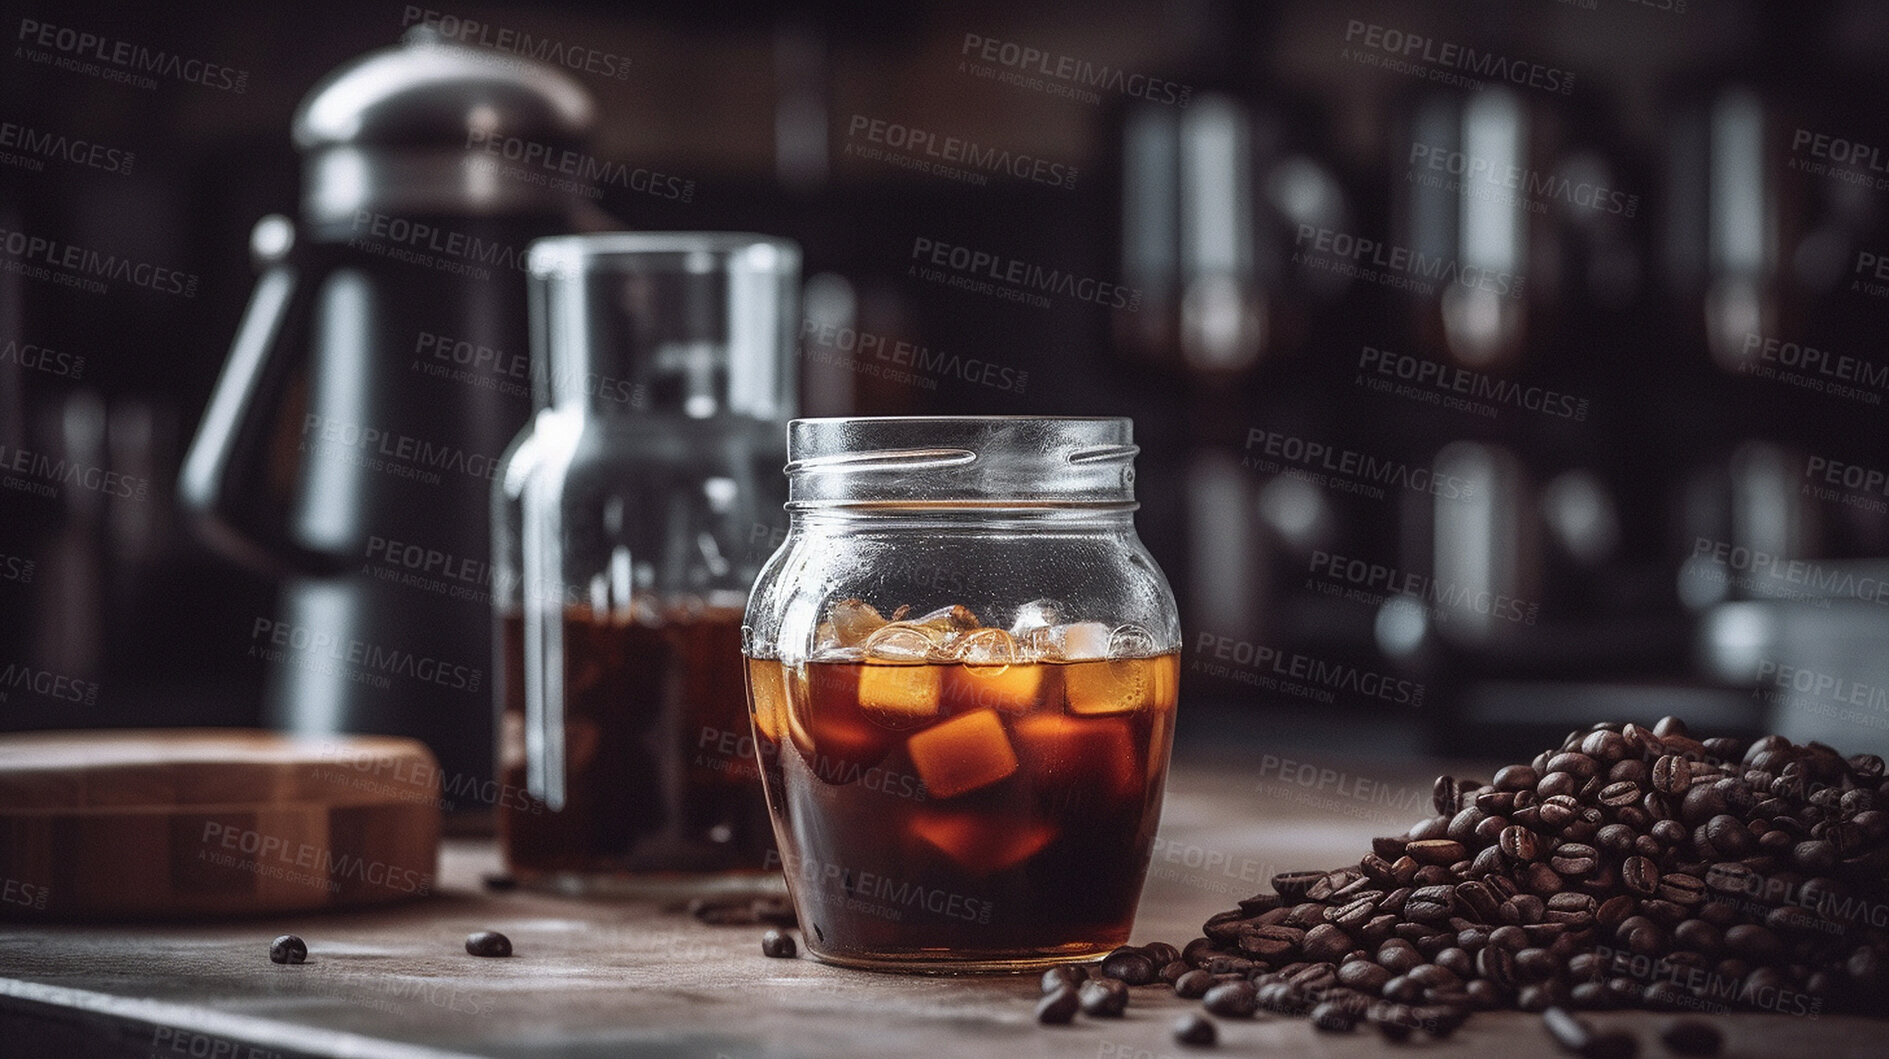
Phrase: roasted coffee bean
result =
(1456, 961)
(1398, 956)
(1364, 975)
(1355, 914)
(1333, 1017)
(492, 943)
(1195, 1030)
(1160, 953)
(1682, 889)
(1133, 968)
(1234, 965)
(1292, 885)
(1433, 976)
(1542, 880)
(1430, 904)
(1325, 943)
(1375, 868)
(1479, 902)
(1672, 774)
(1620, 794)
(1729, 835)
(1497, 965)
(1753, 942)
(1574, 859)
(1058, 1008)
(1700, 937)
(1514, 778)
(1428, 828)
(1443, 795)
(1104, 998)
(1403, 989)
(1815, 855)
(1194, 984)
(1691, 1037)
(1064, 976)
(1271, 942)
(288, 949)
(1390, 847)
(776, 943)
(1640, 875)
(1437, 851)
(499, 882)
(1232, 1000)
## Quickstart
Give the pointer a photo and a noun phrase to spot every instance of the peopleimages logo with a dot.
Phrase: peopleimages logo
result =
(923, 148)
(77, 151)
(1267, 663)
(319, 649)
(1473, 384)
(574, 57)
(1351, 471)
(1064, 74)
(76, 48)
(82, 267)
(1460, 61)
(1430, 163)
(1020, 277)
(1415, 270)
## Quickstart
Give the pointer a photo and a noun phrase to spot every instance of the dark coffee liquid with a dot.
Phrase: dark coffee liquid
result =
(660, 763)
(1000, 819)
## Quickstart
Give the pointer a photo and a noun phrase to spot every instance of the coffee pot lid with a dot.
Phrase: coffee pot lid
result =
(435, 126)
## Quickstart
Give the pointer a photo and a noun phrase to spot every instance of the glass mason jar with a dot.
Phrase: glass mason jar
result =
(624, 519)
(962, 671)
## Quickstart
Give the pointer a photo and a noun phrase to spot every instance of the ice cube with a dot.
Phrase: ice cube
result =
(1078, 641)
(899, 696)
(991, 673)
(901, 642)
(767, 698)
(1104, 687)
(1032, 624)
(962, 754)
(954, 618)
(848, 624)
(980, 843)
(837, 730)
(1073, 754)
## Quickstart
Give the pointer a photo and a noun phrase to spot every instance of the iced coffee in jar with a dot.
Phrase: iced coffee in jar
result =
(962, 670)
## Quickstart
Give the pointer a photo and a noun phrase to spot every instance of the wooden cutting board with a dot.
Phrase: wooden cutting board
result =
(201, 823)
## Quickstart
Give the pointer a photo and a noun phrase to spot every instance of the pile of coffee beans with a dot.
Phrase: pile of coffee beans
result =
(1631, 867)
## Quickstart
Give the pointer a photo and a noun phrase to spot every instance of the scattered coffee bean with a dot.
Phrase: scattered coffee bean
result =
(1333, 1017)
(1233, 1000)
(288, 949)
(1057, 1008)
(492, 943)
(1131, 967)
(1103, 998)
(1064, 976)
(1195, 1031)
(1193, 985)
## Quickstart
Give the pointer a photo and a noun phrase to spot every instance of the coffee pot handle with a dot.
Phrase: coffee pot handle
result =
(224, 481)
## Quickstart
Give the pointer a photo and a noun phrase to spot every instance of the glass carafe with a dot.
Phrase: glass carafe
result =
(668, 362)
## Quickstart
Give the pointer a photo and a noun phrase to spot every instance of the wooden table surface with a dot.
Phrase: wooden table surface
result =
(630, 978)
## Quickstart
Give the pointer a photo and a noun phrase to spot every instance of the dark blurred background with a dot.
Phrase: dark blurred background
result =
(1497, 366)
